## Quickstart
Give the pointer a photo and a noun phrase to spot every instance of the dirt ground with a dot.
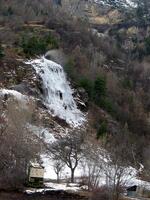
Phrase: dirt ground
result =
(53, 195)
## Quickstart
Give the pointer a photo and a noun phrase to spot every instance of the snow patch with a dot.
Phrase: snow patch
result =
(125, 3)
(23, 99)
(54, 187)
(50, 173)
(43, 133)
(63, 186)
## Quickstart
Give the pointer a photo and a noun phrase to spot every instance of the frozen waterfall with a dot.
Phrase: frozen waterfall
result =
(57, 92)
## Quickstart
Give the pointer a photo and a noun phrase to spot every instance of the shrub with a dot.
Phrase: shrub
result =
(106, 104)
(127, 84)
(1, 52)
(99, 89)
(70, 68)
(52, 42)
(8, 12)
(101, 194)
(102, 130)
(33, 45)
(147, 45)
(87, 85)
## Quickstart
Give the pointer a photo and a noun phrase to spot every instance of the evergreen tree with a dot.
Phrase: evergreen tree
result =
(1, 52)
(102, 131)
(99, 89)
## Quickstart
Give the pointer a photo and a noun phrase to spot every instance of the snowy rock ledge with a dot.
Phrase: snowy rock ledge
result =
(22, 99)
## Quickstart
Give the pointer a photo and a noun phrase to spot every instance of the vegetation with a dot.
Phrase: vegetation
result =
(113, 69)
(17, 153)
(102, 131)
(1, 52)
(37, 45)
(68, 150)
(87, 84)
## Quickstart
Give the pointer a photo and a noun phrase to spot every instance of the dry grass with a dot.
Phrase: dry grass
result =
(113, 17)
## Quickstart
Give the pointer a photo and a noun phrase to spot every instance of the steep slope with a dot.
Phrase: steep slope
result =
(57, 91)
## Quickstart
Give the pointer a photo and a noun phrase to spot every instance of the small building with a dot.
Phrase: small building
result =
(35, 174)
(132, 191)
(138, 191)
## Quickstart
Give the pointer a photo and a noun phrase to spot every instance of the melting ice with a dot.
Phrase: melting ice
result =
(57, 92)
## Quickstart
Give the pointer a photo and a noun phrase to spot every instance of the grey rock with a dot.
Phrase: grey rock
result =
(57, 56)
(25, 88)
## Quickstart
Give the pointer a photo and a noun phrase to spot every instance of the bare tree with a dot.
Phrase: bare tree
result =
(68, 150)
(109, 164)
(92, 164)
(117, 163)
(58, 166)
(18, 145)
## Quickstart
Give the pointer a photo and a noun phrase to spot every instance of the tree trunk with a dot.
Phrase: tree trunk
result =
(72, 175)
(57, 177)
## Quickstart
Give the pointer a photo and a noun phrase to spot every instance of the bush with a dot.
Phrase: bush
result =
(70, 69)
(127, 84)
(52, 42)
(8, 12)
(101, 194)
(1, 52)
(34, 45)
(99, 89)
(106, 104)
(147, 45)
(102, 130)
(87, 85)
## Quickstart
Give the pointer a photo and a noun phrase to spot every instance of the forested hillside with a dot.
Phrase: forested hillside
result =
(104, 49)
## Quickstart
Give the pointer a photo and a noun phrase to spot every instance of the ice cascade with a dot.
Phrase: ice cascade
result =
(57, 91)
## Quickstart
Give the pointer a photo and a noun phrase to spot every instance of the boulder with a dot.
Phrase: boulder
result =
(57, 56)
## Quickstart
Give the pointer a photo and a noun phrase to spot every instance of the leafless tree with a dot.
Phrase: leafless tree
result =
(68, 150)
(18, 145)
(92, 165)
(58, 166)
(109, 164)
(117, 162)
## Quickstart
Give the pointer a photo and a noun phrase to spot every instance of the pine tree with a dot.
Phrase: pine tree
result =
(1, 52)
(99, 89)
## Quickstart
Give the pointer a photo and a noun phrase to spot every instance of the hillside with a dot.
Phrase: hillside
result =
(74, 69)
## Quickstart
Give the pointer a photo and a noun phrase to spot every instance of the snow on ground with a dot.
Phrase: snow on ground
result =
(22, 99)
(14, 93)
(50, 173)
(129, 176)
(58, 95)
(125, 3)
(63, 186)
(131, 3)
(43, 133)
(55, 187)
